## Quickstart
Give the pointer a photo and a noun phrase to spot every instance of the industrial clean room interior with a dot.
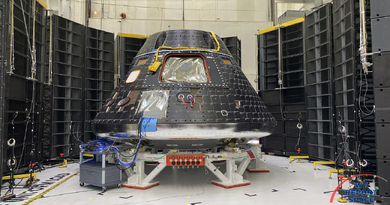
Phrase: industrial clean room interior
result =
(286, 183)
(194, 102)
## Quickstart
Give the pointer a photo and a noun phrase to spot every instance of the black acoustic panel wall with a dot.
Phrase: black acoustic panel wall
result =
(22, 121)
(365, 101)
(126, 48)
(271, 96)
(381, 63)
(64, 97)
(99, 75)
(385, 200)
(319, 83)
(383, 140)
(293, 55)
(2, 74)
(294, 94)
(268, 60)
(21, 118)
(383, 171)
(274, 143)
(21, 54)
(380, 28)
(354, 97)
(82, 78)
(380, 34)
(382, 107)
(380, 8)
(233, 44)
(344, 63)
(288, 104)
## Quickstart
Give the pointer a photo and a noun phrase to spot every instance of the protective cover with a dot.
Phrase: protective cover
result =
(180, 69)
(153, 103)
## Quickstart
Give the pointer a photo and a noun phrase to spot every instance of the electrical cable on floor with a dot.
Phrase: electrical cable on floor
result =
(51, 188)
(126, 197)
(43, 196)
(12, 191)
(63, 194)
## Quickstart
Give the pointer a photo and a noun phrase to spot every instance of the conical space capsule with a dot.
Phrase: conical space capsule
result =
(184, 91)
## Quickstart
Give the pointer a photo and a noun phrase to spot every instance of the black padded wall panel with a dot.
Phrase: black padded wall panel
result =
(2, 75)
(380, 31)
(383, 171)
(82, 78)
(381, 64)
(319, 84)
(99, 75)
(288, 104)
(380, 8)
(126, 48)
(383, 140)
(64, 97)
(354, 97)
(21, 116)
(268, 60)
(380, 19)
(233, 44)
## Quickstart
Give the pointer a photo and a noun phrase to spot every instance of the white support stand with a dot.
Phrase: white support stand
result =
(257, 165)
(233, 176)
(138, 178)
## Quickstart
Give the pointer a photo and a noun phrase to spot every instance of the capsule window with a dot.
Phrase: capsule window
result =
(185, 69)
(142, 61)
(226, 61)
(133, 76)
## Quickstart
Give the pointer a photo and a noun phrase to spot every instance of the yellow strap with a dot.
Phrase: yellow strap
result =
(153, 66)
(215, 39)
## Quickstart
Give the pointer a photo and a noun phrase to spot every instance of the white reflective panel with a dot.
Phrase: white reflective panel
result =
(183, 69)
(133, 76)
(153, 103)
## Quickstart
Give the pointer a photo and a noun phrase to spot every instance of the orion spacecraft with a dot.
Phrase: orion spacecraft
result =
(185, 91)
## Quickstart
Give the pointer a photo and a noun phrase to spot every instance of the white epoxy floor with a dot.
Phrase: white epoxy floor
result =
(191, 186)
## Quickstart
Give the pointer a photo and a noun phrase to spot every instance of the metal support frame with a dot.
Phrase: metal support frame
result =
(233, 177)
(138, 178)
(257, 165)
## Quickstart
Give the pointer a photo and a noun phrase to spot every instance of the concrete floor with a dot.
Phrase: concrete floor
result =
(296, 183)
